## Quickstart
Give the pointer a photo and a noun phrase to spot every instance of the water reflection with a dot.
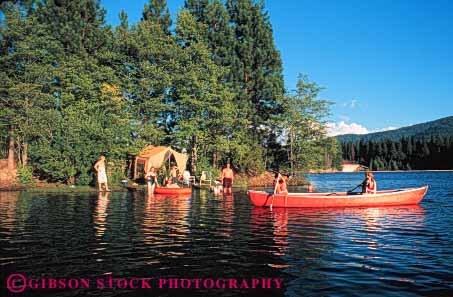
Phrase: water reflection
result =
(312, 225)
(100, 213)
(8, 216)
(227, 207)
(8, 205)
(167, 214)
(278, 221)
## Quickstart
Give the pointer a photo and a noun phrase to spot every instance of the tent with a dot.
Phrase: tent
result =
(155, 156)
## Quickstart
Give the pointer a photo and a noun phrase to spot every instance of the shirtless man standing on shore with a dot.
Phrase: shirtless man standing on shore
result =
(227, 179)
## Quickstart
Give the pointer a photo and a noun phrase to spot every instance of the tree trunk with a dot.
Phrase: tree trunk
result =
(214, 159)
(291, 144)
(11, 150)
(194, 154)
(24, 155)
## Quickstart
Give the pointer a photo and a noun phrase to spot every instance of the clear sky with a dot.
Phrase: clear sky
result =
(384, 63)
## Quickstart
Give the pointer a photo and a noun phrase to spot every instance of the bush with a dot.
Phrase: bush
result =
(204, 165)
(115, 171)
(84, 179)
(25, 175)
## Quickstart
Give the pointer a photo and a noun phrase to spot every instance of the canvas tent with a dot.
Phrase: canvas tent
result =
(156, 156)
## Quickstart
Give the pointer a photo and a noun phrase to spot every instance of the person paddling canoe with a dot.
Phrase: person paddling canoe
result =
(369, 185)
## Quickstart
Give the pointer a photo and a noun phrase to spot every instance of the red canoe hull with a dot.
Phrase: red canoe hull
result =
(172, 191)
(341, 199)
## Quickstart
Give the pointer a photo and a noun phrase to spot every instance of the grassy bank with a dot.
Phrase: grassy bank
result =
(70, 189)
(265, 179)
(241, 181)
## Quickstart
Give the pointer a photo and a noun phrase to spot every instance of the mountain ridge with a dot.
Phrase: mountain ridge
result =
(442, 127)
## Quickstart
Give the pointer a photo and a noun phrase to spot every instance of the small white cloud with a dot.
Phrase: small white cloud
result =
(344, 118)
(384, 129)
(351, 104)
(342, 127)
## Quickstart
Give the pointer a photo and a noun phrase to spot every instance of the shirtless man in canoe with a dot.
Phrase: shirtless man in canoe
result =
(227, 178)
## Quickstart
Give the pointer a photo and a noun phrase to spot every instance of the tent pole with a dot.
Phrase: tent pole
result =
(135, 168)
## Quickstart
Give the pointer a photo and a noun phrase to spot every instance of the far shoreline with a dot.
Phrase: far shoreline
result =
(379, 171)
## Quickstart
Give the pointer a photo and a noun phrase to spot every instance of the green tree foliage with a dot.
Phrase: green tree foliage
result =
(304, 127)
(145, 58)
(78, 25)
(202, 105)
(67, 107)
(27, 63)
(219, 33)
(257, 67)
(73, 88)
(157, 12)
(198, 9)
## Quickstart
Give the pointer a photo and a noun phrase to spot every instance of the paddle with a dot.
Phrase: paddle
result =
(275, 189)
(276, 183)
(359, 185)
(350, 191)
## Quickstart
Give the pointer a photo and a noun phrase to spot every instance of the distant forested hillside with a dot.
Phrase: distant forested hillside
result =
(423, 146)
(440, 127)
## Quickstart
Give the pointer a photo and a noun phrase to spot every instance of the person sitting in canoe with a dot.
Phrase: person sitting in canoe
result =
(170, 183)
(281, 187)
(174, 174)
(369, 185)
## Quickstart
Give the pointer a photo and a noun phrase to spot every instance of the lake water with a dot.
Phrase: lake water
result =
(388, 251)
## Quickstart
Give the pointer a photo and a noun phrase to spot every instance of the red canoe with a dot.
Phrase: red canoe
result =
(340, 199)
(172, 191)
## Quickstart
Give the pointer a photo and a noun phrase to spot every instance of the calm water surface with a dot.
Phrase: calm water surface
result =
(391, 251)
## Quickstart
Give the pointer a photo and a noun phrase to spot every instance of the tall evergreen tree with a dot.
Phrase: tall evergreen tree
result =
(158, 12)
(198, 9)
(27, 60)
(220, 35)
(145, 59)
(90, 116)
(203, 113)
(79, 25)
(257, 70)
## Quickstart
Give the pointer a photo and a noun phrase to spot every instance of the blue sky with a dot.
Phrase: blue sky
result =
(383, 63)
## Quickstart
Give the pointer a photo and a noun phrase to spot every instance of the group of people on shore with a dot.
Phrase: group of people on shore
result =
(170, 182)
(227, 178)
(369, 185)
